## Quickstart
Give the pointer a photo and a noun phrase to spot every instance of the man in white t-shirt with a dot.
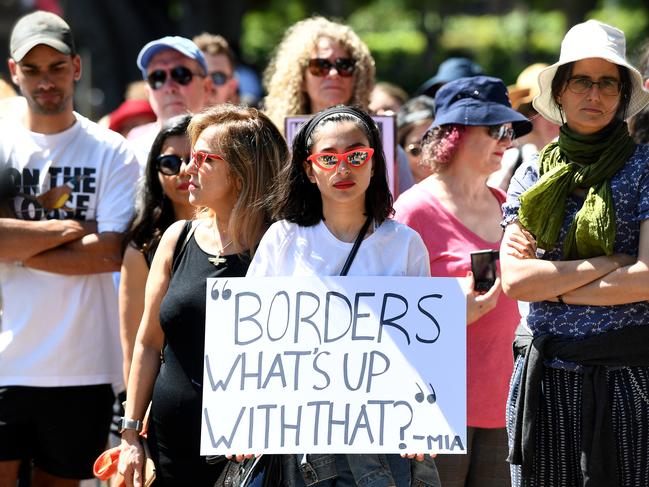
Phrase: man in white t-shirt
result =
(176, 74)
(67, 189)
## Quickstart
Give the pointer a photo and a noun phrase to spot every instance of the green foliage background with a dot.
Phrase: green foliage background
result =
(409, 38)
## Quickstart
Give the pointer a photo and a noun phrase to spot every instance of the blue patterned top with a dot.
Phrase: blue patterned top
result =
(630, 187)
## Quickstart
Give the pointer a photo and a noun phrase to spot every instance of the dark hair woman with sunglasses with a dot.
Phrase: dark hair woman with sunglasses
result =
(333, 192)
(162, 199)
(237, 153)
(456, 213)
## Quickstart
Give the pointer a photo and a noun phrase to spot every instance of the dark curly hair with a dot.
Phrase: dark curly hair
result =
(153, 209)
(298, 200)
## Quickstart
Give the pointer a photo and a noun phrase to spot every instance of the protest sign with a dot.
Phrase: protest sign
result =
(334, 365)
(387, 128)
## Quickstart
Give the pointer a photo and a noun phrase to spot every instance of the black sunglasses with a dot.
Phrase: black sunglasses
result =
(219, 78)
(180, 74)
(322, 67)
(169, 164)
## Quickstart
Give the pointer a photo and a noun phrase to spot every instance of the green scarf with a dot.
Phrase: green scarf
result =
(577, 161)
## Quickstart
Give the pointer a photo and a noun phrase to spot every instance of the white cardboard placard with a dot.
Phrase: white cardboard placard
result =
(334, 365)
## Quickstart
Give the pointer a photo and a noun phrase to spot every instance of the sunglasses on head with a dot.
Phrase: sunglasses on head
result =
(219, 78)
(331, 160)
(180, 74)
(322, 67)
(501, 132)
(169, 164)
(199, 157)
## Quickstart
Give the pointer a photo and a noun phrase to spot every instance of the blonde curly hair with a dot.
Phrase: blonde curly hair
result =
(284, 76)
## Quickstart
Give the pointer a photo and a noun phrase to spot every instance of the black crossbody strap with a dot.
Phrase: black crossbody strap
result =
(354, 250)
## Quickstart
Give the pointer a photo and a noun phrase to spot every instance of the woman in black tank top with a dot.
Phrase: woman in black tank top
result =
(236, 153)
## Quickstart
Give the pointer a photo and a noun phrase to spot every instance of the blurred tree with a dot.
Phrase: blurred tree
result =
(409, 38)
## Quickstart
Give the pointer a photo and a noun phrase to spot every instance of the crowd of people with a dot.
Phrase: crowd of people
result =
(109, 230)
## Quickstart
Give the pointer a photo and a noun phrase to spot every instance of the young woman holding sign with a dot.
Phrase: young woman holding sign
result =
(334, 193)
(235, 153)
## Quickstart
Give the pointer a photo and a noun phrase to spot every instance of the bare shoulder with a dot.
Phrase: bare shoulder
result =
(168, 241)
(133, 257)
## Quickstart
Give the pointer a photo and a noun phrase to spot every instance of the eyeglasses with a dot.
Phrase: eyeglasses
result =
(501, 132)
(331, 160)
(180, 74)
(414, 150)
(169, 164)
(199, 157)
(322, 67)
(219, 78)
(607, 86)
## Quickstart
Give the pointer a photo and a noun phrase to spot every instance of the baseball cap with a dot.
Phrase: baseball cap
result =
(181, 44)
(127, 110)
(40, 28)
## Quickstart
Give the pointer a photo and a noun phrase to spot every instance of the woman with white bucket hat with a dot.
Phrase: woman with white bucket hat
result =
(576, 247)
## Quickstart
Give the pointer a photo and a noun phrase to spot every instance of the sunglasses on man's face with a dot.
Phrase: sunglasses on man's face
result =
(180, 74)
(501, 132)
(322, 67)
(169, 164)
(331, 160)
(219, 78)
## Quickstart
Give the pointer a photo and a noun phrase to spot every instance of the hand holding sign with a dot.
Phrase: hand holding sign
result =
(328, 365)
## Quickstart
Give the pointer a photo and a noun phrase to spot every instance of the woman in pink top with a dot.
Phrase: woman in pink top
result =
(456, 213)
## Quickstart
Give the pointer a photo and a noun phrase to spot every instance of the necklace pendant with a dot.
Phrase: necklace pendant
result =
(217, 260)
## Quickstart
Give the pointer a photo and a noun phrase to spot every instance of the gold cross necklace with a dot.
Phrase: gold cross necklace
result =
(218, 259)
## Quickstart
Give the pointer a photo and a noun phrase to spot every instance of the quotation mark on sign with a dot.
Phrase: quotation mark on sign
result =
(431, 398)
(224, 293)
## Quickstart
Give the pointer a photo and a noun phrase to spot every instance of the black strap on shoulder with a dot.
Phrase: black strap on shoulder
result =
(354, 250)
(188, 230)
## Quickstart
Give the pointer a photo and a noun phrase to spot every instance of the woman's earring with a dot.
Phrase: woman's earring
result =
(561, 113)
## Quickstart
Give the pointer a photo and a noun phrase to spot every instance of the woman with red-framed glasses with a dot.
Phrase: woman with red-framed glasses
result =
(333, 193)
(236, 151)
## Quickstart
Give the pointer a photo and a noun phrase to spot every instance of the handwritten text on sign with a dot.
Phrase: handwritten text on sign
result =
(331, 364)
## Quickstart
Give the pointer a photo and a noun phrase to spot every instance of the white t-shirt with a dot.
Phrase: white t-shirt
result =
(288, 249)
(60, 330)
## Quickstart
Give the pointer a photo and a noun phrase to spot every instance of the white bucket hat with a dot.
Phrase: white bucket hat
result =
(591, 39)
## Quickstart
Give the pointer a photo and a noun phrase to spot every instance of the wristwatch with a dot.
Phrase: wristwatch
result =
(130, 424)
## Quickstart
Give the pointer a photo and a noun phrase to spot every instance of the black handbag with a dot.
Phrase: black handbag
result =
(242, 474)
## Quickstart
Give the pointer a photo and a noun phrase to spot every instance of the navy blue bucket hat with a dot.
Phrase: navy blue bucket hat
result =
(477, 100)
